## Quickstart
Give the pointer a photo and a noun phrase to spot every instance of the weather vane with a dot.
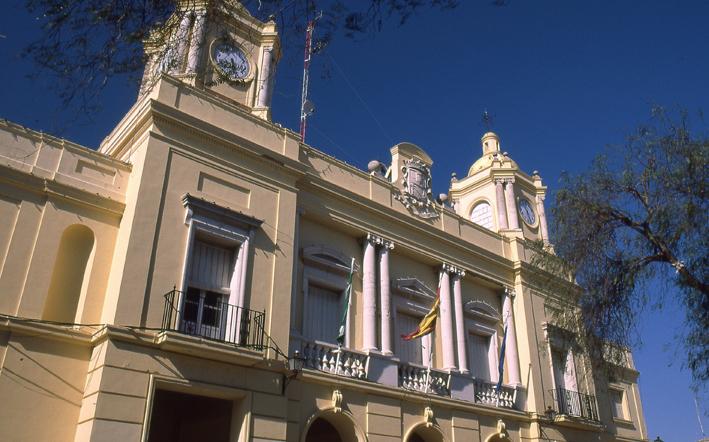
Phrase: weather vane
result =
(487, 120)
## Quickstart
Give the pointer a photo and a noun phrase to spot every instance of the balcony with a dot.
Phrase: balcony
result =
(574, 404)
(214, 320)
(385, 370)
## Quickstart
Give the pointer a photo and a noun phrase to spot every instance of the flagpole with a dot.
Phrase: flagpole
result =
(428, 370)
(337, 360)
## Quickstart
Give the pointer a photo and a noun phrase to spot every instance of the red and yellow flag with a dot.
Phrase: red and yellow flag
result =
(428, 323)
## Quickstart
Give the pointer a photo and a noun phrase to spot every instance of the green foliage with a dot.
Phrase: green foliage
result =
(633, 230)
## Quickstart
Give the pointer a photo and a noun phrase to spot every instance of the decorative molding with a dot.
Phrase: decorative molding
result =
(337, 401)
(483, 309)
(428, 416)
(377, 240)
(453, 270)
(416, 189)
(327, 258)
(414, 287)
(501, 434)
(510, 292)
(219, 213)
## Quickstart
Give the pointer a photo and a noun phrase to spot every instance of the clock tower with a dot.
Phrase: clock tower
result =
(497, 195)
(218, 46)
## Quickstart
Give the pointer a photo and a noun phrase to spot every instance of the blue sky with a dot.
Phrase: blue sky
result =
(562, 79)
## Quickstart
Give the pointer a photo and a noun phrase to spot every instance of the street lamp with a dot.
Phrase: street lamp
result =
(295, 366)
(550, 413)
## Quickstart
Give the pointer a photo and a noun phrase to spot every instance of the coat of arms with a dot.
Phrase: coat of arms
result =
(416, 193)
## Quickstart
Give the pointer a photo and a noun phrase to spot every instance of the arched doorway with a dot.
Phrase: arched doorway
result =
(321, 430)
(423, 433)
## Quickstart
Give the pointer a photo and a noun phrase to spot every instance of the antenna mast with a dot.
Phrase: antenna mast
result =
(306, 108)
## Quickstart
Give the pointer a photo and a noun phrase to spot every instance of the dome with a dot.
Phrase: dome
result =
(486, 161)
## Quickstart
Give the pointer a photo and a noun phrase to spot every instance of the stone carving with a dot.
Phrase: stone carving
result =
(416, 194)
(428, 416)
(337, 401)
(501, 434)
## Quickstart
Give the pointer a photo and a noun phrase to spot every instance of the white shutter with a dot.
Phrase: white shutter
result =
(323, 314)
(211, 267)
(478, 351)
(407, 351)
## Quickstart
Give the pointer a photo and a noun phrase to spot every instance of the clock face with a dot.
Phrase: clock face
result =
(525, 209)
(231, 61)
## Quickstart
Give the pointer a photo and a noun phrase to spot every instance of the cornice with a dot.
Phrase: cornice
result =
(42, 137)
(54, 189)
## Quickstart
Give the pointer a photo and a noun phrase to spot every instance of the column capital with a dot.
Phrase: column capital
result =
(499, 180)
(510, 292)
(377, 240)
(453, 270)
(510, 180)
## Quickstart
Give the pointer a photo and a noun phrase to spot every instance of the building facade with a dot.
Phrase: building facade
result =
(187, 280)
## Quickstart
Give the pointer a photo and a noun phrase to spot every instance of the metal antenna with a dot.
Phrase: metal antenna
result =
(306, 107)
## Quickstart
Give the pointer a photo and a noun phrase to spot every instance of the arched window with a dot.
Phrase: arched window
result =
(482, 215)
(70, 277)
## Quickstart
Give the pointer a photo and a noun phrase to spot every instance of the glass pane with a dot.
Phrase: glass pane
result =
(191, 306)
(211, 310)
(617, 403)
(482, 215)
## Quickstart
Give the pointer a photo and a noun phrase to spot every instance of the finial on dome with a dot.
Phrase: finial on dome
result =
(490, 143)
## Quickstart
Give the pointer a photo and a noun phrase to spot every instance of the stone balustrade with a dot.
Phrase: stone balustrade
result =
(323, 357)
(486, 393)
(374, 367)
(417, 378)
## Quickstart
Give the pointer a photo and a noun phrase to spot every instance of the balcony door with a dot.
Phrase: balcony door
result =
(324, 314)
(206, 309)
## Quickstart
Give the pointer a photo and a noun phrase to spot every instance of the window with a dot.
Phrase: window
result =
(324, 310)
(563, 369)
(325, 274)
(215, 272)
(617, 403)
(412, 302)
(482, 322)
(478, 352)
(482, 215)
(409, 351)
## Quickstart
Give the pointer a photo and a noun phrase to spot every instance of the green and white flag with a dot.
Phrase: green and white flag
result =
(345, 307)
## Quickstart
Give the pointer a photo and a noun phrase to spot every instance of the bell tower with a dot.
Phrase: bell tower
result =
(217, 46)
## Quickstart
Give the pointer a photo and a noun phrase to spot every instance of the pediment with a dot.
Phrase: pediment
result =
(413, 287)
(327, 258)
(482, 309)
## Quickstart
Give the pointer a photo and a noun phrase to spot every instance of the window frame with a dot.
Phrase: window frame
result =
(209, 222)
(412, 297)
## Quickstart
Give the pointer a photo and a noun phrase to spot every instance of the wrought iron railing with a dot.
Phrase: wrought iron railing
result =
(573, 403)
(213, 319)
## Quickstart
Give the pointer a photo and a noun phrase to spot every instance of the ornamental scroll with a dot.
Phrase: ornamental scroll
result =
(416, 194)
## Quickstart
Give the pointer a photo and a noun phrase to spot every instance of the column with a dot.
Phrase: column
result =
(196, 43)
(542, 219)
(264, 91)
(510, 203)
(182, 35)
(500, 198)
(446, 320)
(369, 288)
(385, 297)
(511, 346)
(459, 322)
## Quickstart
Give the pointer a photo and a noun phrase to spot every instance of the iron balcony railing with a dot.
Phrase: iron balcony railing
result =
(573, 403)
(210, 318)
